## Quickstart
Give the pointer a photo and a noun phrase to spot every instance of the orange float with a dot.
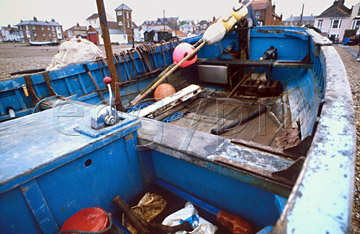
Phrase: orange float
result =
(163, 90)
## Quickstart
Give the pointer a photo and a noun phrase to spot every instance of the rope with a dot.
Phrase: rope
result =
(86, 232)
(173, 117)
(138, 107)
(44, 100)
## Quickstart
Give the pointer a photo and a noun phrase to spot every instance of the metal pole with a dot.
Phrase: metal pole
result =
(302, 12)
(109, 53)
(164, 18)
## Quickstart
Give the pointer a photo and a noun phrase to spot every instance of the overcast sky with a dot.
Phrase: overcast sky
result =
(69, 12)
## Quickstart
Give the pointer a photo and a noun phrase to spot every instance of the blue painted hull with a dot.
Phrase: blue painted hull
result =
(53, 164)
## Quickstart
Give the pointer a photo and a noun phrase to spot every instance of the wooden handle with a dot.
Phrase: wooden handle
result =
(138, 222)
(167, 74)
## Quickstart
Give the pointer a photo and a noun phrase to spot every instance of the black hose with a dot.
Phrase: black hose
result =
(219, 131)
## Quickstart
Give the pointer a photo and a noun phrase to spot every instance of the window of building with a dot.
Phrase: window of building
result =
(336, 23)
(355, 24)
(49, 34)
(358, 14)
(90, 22)
(119, 13)
(35, 34)
(49, 28)
(42, 28)
(120, 23)
(33, 27)
(320, 22)
(94, 21)
(53, 28)
(257, 14)
(127, 15)
(43, 34)
(128, 24)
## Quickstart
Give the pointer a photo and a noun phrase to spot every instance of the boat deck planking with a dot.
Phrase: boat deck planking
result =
(204, 114)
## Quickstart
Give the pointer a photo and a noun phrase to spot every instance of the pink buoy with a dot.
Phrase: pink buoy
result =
(181, 51)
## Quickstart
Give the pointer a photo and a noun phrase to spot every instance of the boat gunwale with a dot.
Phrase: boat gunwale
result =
(332, 149)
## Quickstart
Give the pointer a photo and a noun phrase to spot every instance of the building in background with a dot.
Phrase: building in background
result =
(93, 35)
(355, 18)
(117, 36)
(138, 33)
(40, 31)
(76, 31)
(10, 34)
(334, 21)
(187, 26)
(94, 20)
(265, 13)
(124, 21)
(299, 21)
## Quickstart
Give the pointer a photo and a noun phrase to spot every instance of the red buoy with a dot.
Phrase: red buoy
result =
(107, 80)
(93, 219)
(163, 90)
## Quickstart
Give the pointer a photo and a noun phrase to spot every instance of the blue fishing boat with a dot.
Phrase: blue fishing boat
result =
(261, 126)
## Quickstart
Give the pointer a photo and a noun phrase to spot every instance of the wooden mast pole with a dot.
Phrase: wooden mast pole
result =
(109, 53)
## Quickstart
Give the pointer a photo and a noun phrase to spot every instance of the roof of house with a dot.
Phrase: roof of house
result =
(93, 16)
(78, 28)
(336, 10)
(123, 7)
(180, 34)
(37, 22)
(168, 19)
(297, 18)
(112, 25)
(111, 31)
(186, 26)
(9, 28)
(260, 5)
(204, 22)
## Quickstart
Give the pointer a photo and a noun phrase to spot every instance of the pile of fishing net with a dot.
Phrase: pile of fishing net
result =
(74, 51)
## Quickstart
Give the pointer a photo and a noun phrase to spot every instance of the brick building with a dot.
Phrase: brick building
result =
(265, 13)
(124, 20)
(39, 31)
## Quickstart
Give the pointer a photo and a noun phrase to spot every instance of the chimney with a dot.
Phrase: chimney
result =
(21, 20)
(273, 8)
(52, 20)
(9, 26)
(77, 25)
(339, 2)
(35, 19)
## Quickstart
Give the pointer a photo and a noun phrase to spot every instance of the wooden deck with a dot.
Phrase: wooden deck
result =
(204, 114)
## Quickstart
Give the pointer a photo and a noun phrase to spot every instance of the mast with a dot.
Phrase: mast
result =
(301, 16)
(109, 53)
